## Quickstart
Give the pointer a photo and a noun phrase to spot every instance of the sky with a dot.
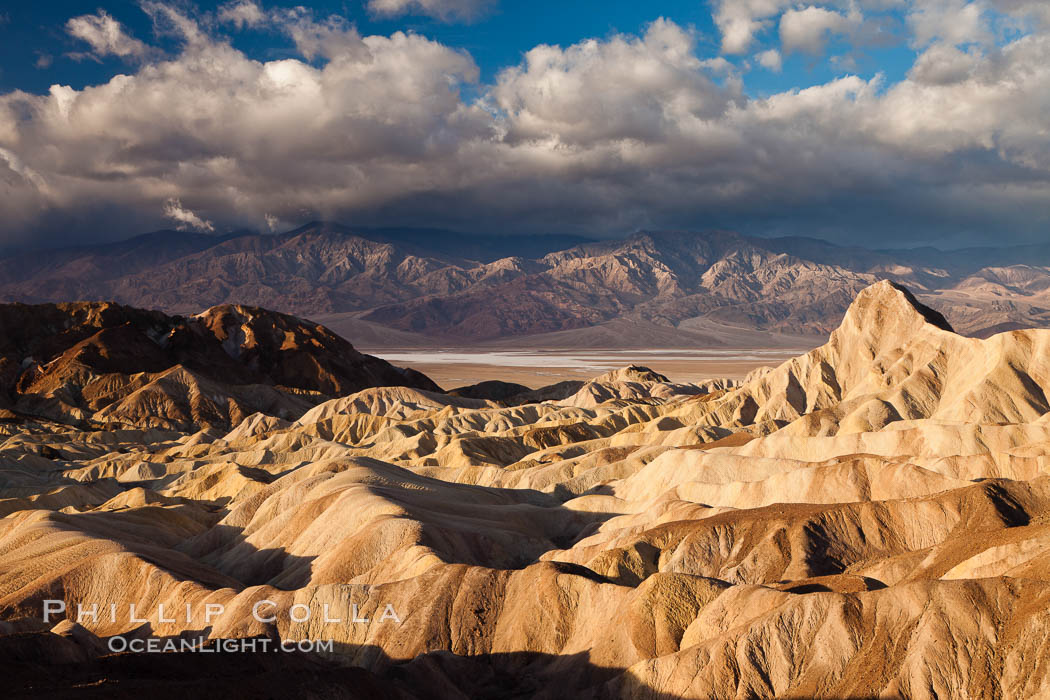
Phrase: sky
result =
(873, 122)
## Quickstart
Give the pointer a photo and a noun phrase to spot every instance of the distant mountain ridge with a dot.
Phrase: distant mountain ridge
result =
(404, 286)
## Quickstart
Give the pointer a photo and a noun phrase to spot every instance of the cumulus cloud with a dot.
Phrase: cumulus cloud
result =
(951, 21)
(806, 26)
(601, 136)
(943, 64)
(238, 137)
(1037, 11)
(637, 88)
(326, 38)
(718, 65)
(740, 20)
(445, 10)
(807, 29)
(770, 60)
(170, 21)
(242, 13)
(105, 35)
(329, 38)
(184, 218)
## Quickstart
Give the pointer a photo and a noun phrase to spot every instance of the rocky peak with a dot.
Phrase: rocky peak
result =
(886, 305)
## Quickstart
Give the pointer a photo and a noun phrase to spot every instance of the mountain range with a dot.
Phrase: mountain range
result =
(416, 287)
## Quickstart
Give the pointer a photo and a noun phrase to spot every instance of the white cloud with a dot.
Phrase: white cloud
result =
(807, 29)
(942, 64)
(770, 60)
(105, 35)
(999, 105)
(603, 135)
(805, 26)
(1037, 11)
(168, 20)
(184, 218)
(717, 65)
(740, 20)
(636, 88)
(238, 137)
(242, 13)
(951, 21)
(329, 38)
(445, 10)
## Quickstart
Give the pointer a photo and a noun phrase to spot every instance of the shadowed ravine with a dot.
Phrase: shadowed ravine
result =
(435, 676)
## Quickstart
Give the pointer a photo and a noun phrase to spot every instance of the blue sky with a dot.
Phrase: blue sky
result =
(904, 121)
(37, 51)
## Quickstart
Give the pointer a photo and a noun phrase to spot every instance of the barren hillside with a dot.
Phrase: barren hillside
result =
(106, 365)
(869, 519)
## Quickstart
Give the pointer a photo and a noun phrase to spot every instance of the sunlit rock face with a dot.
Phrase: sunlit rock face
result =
(866, 520)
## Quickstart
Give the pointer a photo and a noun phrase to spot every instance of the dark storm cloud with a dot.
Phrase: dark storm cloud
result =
(603, 136)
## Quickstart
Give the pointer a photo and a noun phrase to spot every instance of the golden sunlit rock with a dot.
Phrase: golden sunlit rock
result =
(869, 519)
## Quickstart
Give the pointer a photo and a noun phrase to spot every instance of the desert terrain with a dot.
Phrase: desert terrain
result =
(866, 519)
(485, 350)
